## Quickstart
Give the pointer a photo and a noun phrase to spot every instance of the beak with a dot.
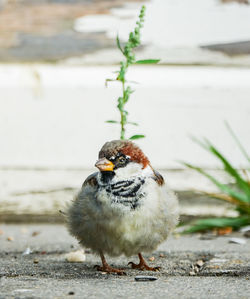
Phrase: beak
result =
(104, 164)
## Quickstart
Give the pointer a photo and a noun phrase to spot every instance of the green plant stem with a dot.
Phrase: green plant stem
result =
(122, 137)
(129, 55)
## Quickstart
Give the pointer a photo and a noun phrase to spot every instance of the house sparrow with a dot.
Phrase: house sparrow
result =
(124, 208)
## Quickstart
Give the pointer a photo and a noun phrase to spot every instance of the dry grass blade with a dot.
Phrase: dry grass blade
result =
(222, 196)
(246, 176)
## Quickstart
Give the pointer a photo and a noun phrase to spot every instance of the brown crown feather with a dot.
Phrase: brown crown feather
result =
(126, 147)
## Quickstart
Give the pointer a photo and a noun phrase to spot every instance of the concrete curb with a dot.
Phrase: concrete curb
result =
(38, 195)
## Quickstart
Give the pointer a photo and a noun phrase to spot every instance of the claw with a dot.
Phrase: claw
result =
(142, 265)
(108, 269)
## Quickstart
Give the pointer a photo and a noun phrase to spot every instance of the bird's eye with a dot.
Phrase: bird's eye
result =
(122, 159)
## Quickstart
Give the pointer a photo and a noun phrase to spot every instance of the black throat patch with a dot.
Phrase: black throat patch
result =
(126, 192)
(106, 177)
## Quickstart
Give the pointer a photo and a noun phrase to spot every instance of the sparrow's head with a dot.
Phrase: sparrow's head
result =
(117, 154)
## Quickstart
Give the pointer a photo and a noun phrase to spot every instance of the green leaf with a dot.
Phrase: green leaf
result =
(122, 72)
(109, 80)
(210, 223)
(112, 122)
(242, 184)
(128, 91)
(147, 61)
(119, 44)
(131, 81)
(237, 142)
(136, 137)
(132, 123)
(224, 188)
(120, 104)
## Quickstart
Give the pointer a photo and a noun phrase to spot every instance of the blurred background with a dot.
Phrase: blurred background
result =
(54, 58)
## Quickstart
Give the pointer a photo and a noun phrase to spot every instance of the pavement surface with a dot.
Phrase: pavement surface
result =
(197, 266)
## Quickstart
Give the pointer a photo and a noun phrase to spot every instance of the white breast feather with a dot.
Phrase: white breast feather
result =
(116, 230)
(131, 170)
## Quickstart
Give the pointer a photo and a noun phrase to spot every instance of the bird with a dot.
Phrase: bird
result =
(125, 208)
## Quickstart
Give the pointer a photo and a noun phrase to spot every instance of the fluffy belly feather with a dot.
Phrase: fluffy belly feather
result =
(101, 224)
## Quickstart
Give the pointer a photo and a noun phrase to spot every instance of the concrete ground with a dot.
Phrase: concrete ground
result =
(198, 266)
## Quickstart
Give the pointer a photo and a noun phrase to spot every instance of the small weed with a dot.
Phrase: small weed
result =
(238, 194)
(128, 52)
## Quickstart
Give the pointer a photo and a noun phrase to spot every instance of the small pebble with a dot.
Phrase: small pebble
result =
(213, 267)
(200, 263)
(237, 241)
(247, 234)
(145, 278)
(208, 237)
(34, 234)
(10, 239)
(76, 256)
(192, 273)
(218, 260)
(71, 293)
(1, 232)
(246, 231)
(27, 251)
(245, 228)
(23, 230)
(162, 255)
(36, 261)
(151, 259)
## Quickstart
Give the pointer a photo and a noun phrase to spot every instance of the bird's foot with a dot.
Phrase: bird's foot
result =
(143, 266)
(109, 269)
